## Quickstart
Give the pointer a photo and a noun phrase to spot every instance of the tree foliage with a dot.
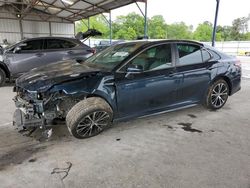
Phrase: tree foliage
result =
(157, 28)
(131, 26)
(179, 31)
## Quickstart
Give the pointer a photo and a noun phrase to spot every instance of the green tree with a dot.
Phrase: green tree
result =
(157, 28)
(179, 31)
(125, 27)
(203, 32)
(225, 32)
(126, 33)
(96, 22)
(240, 28)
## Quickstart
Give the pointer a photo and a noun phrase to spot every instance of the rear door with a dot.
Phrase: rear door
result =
(193, 63)
(63, 49)
(152, 90)
(30, 56)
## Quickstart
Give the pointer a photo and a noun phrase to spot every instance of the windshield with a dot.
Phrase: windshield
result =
(112, 56)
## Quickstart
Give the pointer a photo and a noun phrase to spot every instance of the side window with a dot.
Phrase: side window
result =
(189, 54)
(59, 44)
(32, 45)
(155, 58)
(68, 44)
(205, 55)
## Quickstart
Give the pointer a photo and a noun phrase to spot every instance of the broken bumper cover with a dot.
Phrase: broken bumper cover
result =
(26, 114)
(30, 114)
(22, 120)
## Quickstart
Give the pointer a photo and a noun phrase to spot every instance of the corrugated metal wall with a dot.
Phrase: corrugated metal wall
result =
(10, 29)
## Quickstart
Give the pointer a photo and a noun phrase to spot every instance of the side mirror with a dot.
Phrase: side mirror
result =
(133, 69)
(17, 49)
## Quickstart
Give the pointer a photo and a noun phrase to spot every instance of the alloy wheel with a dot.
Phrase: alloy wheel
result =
(93, 124)
(219, 95)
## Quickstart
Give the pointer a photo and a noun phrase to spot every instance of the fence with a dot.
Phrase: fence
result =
(233, 47)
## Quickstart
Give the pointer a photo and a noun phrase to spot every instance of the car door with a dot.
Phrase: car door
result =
(192, 63)
(62, 49)
(151, 90)
(55, 50)
(25, 56)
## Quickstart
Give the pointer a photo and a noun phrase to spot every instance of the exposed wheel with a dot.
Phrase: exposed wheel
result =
(217, 94)
(2, 77)
(89, 117)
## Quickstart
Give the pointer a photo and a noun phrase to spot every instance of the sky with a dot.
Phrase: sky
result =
(192, 12)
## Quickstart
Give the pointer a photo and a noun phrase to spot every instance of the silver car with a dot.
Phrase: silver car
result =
(35, 52)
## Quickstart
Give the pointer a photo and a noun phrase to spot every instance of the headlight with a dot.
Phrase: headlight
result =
(39, 96)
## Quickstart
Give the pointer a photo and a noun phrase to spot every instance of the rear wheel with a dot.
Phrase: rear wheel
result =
(217, 95)
(2, 77)
(89, 117)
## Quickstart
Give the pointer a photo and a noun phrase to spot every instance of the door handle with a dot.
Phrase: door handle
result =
(171, 74)
(70, 52)
(39, 54)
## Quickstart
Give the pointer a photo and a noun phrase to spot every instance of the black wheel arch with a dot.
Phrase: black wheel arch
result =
(4, 67)
(227, 79)
(103, 98)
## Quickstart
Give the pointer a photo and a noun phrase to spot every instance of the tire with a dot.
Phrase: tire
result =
(89, 117)
(2, 77)
(217, 95)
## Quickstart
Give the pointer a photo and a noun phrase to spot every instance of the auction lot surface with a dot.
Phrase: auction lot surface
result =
(189, 148)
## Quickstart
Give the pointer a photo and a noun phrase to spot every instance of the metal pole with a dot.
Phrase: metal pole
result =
(88, 29)
(110, 28)
(21, 28)
(146, 21)
(215, 21)
(50, 34)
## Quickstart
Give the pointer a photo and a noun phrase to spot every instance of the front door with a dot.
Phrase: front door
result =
(151, 90)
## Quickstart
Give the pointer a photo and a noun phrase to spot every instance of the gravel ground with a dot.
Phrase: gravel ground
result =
(188, 148)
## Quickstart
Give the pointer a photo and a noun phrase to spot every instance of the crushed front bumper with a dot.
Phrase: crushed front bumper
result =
(26, 114)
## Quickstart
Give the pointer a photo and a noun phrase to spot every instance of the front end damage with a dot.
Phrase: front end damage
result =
(38, 110)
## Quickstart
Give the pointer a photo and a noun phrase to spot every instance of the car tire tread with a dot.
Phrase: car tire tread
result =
(82, 108)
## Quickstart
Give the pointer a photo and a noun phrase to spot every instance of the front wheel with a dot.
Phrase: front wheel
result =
(217, 95)
(89, 117)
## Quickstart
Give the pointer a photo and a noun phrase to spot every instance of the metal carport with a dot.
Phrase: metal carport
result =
(33, 18)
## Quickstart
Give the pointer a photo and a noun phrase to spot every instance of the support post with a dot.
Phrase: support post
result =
(50, 33)
(89, 28)
(110, 28)
(21, 28)
(215, 22)
(146, 20)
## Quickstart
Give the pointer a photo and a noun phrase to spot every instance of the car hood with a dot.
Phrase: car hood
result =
(42, 78)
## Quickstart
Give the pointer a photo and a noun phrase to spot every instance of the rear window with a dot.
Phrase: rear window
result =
(189, 54)
(59, 44)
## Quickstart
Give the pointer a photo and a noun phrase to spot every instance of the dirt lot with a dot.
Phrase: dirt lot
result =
(188, 148)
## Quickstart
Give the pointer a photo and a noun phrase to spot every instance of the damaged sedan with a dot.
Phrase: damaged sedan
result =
(125, 81)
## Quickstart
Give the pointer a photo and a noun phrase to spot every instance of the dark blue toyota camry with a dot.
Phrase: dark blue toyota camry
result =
(125, 81)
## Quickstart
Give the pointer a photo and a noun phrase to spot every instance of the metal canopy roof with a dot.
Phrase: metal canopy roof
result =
(68, 10)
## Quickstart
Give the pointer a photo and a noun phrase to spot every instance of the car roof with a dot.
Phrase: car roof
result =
(50, 37)
(156, 41)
